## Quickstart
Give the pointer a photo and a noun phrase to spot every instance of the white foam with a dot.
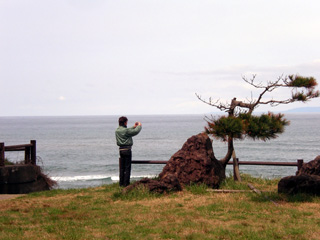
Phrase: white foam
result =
(95, 177)
(79, 178)
(115, 178)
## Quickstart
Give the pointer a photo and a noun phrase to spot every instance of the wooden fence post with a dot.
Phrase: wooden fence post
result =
(33, 152)
(27, 155)
(1, 154)
(236, 171)
(300, 164)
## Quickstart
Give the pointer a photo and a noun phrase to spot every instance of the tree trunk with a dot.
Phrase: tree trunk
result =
(236, 172)
(228, 156)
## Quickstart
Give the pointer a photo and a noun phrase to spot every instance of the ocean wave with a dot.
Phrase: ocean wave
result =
(80, 178)
(95, 177)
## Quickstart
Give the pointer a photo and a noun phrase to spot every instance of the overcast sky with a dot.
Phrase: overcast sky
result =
(124, 57)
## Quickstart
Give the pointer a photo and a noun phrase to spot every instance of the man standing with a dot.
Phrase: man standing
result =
(124, 141)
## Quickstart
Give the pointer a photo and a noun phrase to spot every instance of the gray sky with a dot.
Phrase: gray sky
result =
(119, 57)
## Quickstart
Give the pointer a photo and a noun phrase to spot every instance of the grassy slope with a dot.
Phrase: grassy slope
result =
(106, 213)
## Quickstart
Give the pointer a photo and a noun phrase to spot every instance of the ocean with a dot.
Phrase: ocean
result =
(80, 151)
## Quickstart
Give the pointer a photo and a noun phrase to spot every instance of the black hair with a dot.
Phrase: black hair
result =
(122, 121)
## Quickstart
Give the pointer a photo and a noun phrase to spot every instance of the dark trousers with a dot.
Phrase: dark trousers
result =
(125, 167)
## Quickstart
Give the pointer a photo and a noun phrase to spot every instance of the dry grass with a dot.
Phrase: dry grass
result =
(105, 213)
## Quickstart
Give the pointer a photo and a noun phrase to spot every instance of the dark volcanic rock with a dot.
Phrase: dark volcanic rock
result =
(302, 183)
(307, 180)
(311, 168)
(195, 163)
(165, 185)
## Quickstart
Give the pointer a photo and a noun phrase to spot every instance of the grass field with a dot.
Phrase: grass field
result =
(195, 213)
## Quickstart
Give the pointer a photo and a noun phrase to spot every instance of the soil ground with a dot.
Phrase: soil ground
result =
(9, 196)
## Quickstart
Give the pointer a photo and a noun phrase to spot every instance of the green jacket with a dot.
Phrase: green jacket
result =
(124, 135)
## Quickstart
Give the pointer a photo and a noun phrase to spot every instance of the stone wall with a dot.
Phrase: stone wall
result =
(20, 179)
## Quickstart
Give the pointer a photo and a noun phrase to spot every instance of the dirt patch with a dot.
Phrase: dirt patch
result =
(9, 196)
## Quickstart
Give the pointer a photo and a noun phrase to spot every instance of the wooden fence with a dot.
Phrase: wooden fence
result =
(30, 156)
(30, 152)
(297, 164)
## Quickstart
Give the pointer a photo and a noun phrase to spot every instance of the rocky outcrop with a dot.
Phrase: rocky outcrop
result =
(193, 163)
(303, 183)
(311, 168)
(307, 180)
(20, 179)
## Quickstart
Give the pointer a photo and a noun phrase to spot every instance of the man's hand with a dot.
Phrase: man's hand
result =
(137, 124)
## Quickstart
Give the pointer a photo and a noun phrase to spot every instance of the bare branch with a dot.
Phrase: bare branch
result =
(217, 104)
(276, 103)
(293, 81)
(271, 85)
(251, 81)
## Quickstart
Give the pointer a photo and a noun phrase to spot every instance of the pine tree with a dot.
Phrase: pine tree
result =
(240, 122)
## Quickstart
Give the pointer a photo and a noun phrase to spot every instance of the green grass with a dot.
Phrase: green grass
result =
(108, 213)
(136, 194)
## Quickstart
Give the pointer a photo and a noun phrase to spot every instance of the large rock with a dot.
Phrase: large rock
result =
(303, 183)
(307, 180)
(311, 168)
(195, 163)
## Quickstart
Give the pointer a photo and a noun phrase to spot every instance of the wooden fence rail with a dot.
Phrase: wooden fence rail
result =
(30, 152)
(298, 163)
